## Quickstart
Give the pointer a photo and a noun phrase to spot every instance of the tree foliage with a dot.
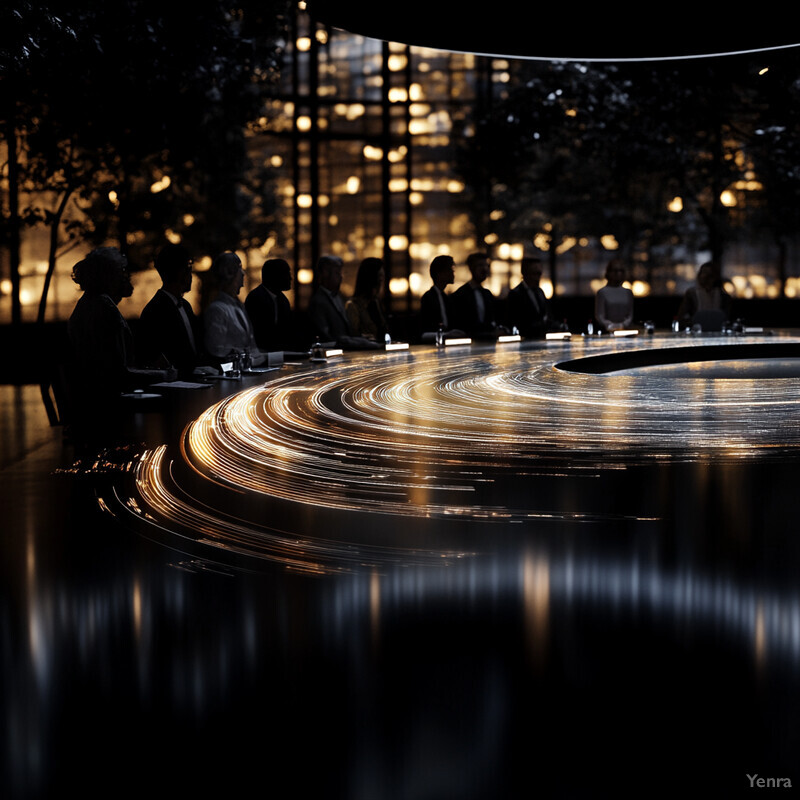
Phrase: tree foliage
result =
(599, 148)
(104, 103)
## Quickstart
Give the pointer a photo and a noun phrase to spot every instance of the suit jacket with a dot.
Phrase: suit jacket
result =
(531, 318)
(430, 311)
(162, 331)
(271, 315)
(329, 321)
(227, 329)
(465, 310)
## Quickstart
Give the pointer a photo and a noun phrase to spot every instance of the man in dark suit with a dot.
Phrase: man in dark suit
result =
(434, 305)
(474, 305)
(326, 308)
(527, 304)
(168, 328)
(269, 308)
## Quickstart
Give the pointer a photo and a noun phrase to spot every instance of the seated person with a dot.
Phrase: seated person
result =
(168, 328)
(434, 306)
(473, 305)
(527, 305)
(269, 308)
(102, 362)
(707, 294)
(227, 328)
(326, 308)
(613, 307)
(364, 309)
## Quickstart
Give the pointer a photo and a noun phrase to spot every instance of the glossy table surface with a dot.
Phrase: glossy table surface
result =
(427, 573)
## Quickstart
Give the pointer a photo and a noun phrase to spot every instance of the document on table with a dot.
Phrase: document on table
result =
(180, 385)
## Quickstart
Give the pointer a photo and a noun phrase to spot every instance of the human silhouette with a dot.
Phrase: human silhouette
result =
(326, 308)
(168, 327)
(269, 308)
(102, 362)
(473, 305)
(435, 306)
(226, 325)
(527, 304)
(707, 295)
(365, 312)
(613, 307)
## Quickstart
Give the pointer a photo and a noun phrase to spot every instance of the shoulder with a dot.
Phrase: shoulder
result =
(156, 303)
(256, 295)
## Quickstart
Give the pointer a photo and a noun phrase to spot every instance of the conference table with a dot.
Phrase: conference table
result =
(564, 564)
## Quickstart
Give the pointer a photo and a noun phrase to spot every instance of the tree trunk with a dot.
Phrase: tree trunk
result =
(14, 239)
(55, 226)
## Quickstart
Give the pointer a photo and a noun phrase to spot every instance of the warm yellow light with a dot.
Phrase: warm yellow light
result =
(397, 95)
(173, 237)
(303, 123)
(398, 154)
(398, 242)
(303, 43)
(276, 161)
(5, 286)
(415, 92)
(542, 241)
(372, 153)
(728, 198)
(640, 288)
(305, 276)
(188, 219)
(353, 184)
(160, 185)
(454, 186)
(676, 204)
(321, 36)
(305, 200)
(398, 285)
(567, 243)
(415, 198)
(398, 185)
(396, 62)
(609, 242)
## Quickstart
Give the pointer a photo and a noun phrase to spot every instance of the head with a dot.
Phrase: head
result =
(104, 271)
(328, 273)
(615, 272)
(174, 266)
(531, 268)
(707, 275)
(227, 274)
(370, 278)
(479, 267)
(443, 271)
(276, 275)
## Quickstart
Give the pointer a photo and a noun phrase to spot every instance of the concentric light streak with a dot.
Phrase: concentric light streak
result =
(478, 434)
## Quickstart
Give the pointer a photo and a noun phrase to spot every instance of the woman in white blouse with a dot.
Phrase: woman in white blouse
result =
(613, 306)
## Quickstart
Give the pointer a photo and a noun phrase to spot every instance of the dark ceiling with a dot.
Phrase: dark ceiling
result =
(553, 31)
